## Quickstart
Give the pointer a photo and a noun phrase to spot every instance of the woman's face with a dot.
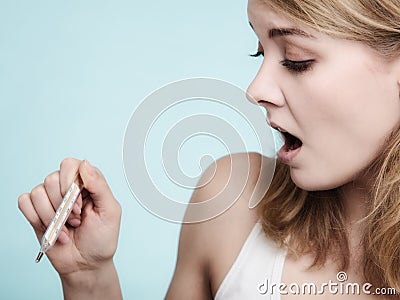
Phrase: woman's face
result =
(336, 96)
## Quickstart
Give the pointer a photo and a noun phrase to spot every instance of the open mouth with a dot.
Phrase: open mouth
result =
(291, 142)
(292, 145)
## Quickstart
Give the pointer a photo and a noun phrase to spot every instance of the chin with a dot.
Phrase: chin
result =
(310, 183)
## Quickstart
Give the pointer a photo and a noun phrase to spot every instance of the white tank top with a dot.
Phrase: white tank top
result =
(256, 272)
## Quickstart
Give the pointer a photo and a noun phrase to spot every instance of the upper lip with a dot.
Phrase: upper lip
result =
(276, 126)
(281, 129)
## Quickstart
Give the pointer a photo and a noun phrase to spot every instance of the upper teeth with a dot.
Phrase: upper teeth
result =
(279, 129)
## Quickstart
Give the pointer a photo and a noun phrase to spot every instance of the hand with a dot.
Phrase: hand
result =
(89, 239)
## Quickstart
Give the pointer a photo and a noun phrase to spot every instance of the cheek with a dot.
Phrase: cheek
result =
(350, 112)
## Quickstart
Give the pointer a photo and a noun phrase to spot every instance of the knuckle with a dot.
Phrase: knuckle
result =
(22, 199)
(52, 179)
(37, 192)
(67, 162)
(97, 171)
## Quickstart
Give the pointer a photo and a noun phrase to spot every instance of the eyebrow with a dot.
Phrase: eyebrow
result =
(275, 32)
(278, 32)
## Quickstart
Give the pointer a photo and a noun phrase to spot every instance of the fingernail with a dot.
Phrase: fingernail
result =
(89, 168)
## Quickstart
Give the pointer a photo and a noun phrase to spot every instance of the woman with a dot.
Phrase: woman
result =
(330, 83)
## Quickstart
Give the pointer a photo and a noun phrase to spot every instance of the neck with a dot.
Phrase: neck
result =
(355, 201)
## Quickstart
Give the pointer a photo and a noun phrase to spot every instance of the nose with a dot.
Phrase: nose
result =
(264, 90)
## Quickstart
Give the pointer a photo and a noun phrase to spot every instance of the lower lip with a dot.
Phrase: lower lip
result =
(286, 156)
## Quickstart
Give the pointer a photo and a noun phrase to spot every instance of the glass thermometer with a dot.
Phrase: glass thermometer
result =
(61, 216)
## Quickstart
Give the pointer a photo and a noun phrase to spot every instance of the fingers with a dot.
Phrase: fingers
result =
(38, 210)
(42, 205)
(52, 185)
(26, 207)
(68, 169)
(97, 187)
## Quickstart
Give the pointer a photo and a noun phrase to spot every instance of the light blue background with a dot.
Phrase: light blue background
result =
(71, 74)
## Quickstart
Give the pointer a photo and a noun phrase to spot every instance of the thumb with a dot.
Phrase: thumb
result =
(95, 183)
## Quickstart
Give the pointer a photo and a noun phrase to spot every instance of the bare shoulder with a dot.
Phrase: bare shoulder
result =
(248, 175)
(208, 249)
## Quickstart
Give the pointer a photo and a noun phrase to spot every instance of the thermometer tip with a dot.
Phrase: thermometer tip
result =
(39, 257)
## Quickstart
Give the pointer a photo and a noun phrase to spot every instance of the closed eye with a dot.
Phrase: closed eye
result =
(298, 66)
(292, 65)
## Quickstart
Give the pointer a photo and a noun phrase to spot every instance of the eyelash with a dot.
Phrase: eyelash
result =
(297, 66)
(291, 65)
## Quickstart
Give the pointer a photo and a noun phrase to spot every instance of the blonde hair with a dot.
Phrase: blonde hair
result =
(315, 221)
(374, 23)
